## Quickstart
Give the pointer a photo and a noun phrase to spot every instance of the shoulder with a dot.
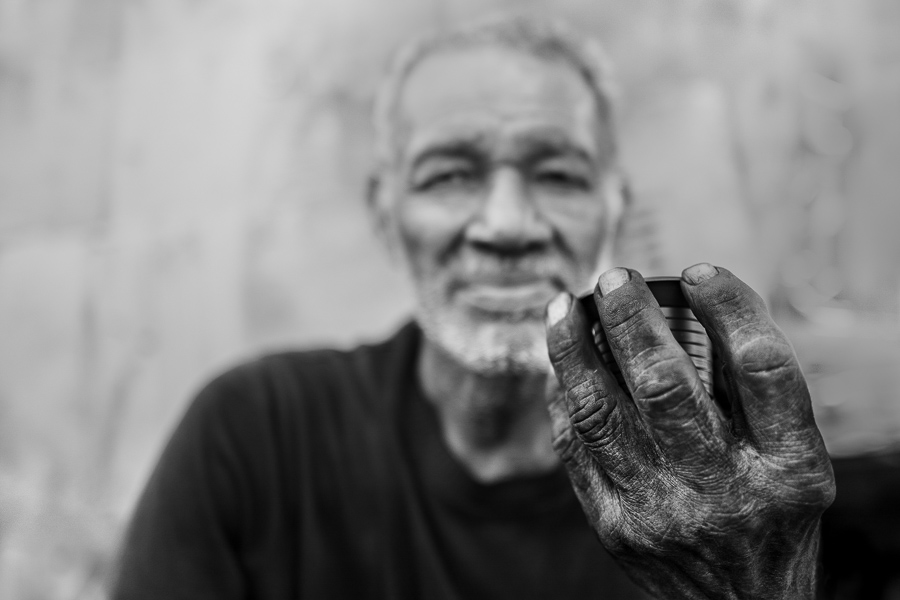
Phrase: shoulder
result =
(271, 441)
(303, 385)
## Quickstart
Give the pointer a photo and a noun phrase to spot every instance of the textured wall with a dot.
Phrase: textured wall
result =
(180, 187)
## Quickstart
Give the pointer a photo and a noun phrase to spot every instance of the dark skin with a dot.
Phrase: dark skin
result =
(500, 171)
(692, 504)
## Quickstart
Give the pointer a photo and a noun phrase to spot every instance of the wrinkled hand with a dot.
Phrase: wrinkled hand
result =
(691, 503)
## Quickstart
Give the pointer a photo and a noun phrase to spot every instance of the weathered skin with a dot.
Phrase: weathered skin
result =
(692, 505)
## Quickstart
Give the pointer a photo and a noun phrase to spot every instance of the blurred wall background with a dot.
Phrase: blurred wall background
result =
(181, 187)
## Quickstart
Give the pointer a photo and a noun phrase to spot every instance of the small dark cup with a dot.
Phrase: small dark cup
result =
(685, 327)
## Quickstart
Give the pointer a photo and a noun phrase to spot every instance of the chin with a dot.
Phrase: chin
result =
(494, 346)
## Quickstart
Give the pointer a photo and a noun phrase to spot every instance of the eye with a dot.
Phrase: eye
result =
(445, 178)
(564, 179)
(444, 174)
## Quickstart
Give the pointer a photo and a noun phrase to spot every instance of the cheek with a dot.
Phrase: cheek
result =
(583, 233)
(427, 231)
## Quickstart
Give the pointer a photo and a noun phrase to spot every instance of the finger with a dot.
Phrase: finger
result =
(663, 381)
(566, 442)
(769, 390)
(591, 484)
(600, 414)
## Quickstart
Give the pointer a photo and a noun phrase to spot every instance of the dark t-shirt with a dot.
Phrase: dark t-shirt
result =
(323, 475)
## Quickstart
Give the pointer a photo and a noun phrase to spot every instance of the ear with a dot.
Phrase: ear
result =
(373, 188)
(379, 215)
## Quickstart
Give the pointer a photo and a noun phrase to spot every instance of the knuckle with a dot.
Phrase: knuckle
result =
(730, 306)
(815, 492)
(661, 398)
(828, 493)
(762, 353)
(614, 533)
(567, 357)
(819, 497)
(642, 541)
(732, 297)
(565, 445)
(562, 349)
(623, 318)
(809, 502)
(766, 360)
(662, 374)
(667, 526)
(802, 485)
(592, 415)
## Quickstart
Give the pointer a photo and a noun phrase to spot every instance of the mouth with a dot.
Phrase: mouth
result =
(509, 295)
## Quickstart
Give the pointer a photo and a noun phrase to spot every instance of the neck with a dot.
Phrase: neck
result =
(497, 426)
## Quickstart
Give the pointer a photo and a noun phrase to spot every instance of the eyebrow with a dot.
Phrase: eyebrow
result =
(540, 147)
(459, 146)
(536, 147)
(450, 149)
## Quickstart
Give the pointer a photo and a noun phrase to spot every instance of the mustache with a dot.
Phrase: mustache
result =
(472, 263)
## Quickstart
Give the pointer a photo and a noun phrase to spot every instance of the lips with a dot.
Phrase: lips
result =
(508, 295)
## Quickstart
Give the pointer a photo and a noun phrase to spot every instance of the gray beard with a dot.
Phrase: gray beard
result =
(514, 343)
(503, 347)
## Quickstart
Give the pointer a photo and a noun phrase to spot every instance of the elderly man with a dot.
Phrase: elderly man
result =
(428, 466)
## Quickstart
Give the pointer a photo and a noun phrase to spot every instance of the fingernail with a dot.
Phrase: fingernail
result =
(558, 308)
(699, 273)
(613, 280)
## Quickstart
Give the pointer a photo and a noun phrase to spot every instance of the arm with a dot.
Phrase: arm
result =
(692, 505)
(181, 542)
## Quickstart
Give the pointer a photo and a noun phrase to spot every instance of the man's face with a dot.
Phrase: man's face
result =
(496, 200)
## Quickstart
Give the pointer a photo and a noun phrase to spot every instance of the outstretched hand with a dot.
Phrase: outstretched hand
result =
(691, 503)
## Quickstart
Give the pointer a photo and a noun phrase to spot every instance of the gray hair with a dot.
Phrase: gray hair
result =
(547, 39)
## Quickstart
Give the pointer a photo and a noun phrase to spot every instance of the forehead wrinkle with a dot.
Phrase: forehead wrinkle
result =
(508, 70)
(537, 144)
(528, 143)
(452, 142)
(493, 90)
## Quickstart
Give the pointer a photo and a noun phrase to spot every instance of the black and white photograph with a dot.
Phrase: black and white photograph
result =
(449, 299)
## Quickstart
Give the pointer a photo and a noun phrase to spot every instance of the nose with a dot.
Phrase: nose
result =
(508, 219)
